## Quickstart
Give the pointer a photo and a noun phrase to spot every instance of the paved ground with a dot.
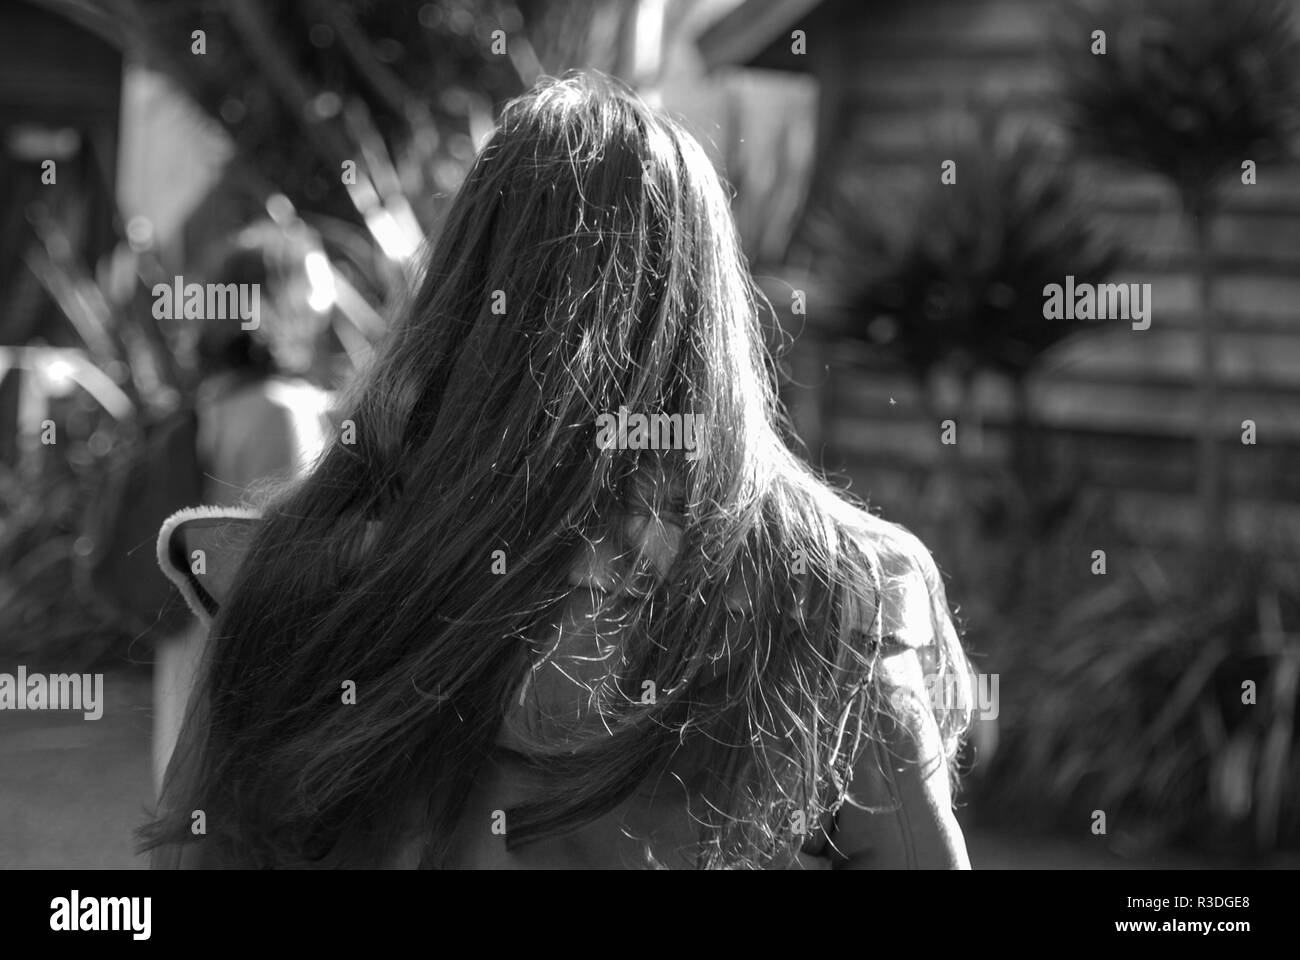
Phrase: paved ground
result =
(72, 790)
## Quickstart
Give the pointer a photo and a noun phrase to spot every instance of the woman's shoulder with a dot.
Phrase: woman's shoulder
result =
(909, 602)
(898, 549)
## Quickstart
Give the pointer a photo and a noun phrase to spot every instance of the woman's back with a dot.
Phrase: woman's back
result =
(551, 634)
(658, 825)
(570, 669)
(655, 826)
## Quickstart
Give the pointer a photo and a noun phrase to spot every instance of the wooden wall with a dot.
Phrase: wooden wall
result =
(1121, 403)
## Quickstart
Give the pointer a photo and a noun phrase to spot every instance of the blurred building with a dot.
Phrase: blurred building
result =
(1120, 406)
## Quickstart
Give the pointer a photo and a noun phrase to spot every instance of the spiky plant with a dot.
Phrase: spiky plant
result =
(1186, 89)
(1170, 706)
(967, 282)
(958, 280)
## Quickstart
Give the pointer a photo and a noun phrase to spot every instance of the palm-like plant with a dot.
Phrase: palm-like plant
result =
(967, 281)
(1187, 89)
(958, 280)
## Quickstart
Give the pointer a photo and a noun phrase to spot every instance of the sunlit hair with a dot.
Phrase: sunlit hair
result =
(608, 233)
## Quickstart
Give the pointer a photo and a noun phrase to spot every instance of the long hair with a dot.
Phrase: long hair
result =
(589, 263)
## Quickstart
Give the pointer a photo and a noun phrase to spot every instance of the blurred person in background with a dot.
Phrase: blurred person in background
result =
(256, 425)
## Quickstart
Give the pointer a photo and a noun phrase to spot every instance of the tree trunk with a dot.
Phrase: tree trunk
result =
(1023, 437)
(1209, 449)
(1026, 467)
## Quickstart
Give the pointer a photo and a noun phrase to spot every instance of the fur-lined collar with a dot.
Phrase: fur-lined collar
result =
(200, 550)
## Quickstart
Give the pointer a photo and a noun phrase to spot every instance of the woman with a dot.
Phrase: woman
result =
(475, 636)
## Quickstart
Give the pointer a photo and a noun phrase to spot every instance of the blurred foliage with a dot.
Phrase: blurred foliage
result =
(363, 116)
(404, 90)
(1120, 691)
(100, 397)
(49, 615)
(959, 279)
(949, 278)
(1130, 698)
(1186, 89)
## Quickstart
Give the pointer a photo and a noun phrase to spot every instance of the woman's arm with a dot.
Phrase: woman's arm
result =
(899, 811)
(899, 815)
